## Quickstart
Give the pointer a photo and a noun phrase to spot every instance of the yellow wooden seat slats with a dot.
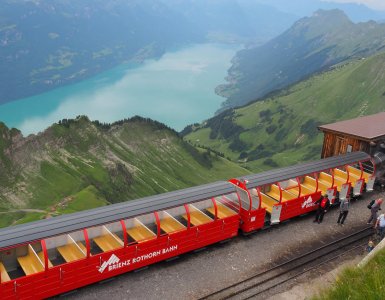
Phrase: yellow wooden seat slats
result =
(325, 179)
(108, 242)
(275, 193)
(169, 224)
(41, 256)
(357, 172)
(223, 211)
(305, 190)
(197, 217)
(267, 207)
(140, 232)
(30, 263)
(268, 202)
(3, 273)
(344, 175)
(72, 251)
(309, 183)
(338, 182)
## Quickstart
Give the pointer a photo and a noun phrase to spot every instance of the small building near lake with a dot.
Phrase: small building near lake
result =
(360, 134)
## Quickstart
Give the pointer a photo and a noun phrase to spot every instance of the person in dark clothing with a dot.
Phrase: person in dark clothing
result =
(374, 209)
(344, 210)
(323, 206)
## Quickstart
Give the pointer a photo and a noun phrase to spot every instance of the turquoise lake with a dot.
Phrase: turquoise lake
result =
(177, 89)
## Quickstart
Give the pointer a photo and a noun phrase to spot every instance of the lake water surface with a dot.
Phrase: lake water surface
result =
(177, 89)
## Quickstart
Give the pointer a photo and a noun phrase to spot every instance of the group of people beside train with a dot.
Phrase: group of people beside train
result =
(376, 219)
(323, 206)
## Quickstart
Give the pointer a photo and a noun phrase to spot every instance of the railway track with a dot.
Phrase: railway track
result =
(258, 284)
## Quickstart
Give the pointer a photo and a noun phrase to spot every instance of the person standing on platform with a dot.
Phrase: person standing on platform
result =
(344, 210)
(323, 207)
(380, 225)
(374, 209)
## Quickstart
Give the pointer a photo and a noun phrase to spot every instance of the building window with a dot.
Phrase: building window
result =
(349, 149)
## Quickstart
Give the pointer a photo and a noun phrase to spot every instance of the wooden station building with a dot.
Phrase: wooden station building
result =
(360, 134)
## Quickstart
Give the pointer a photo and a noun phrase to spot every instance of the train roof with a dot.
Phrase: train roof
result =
(282, 174)
(20, 234)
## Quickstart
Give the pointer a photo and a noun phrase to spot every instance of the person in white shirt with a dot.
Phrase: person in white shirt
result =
(380, 224)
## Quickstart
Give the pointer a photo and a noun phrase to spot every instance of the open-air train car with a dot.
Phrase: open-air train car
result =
(53, 256)
(288, 192)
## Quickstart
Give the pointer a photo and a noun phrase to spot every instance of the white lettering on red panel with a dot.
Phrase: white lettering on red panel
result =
(308, 203)
(114, 263)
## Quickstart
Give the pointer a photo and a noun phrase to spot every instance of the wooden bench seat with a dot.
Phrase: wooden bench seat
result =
(223, 211)
(268, 202)
(197, 217)
(305, 190)
(309, 183)
(72, 251)
(108, 242)
(325, 179)
(357, 173)
(353, 178)
(4, 277)
(323, 187)
(41, 256)
(342, 175)
(339, 182)
(141, 233)
(30, 263)
(275, 193)
(169, 224)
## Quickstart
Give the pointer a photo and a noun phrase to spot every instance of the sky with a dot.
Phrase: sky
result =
(375, 4)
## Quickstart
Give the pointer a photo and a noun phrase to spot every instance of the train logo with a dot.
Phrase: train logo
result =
(308, 203)
(110, 262)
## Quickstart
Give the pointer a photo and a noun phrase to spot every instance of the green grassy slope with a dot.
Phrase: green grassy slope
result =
(78, 165)
(309, 46)
(358, 283)
(282, 130)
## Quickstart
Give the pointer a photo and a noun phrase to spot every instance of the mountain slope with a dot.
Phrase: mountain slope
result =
(78, 164)
(311, 45)
(282, 130)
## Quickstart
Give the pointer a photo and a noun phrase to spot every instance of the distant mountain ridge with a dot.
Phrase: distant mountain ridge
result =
(78, 164)
(311, 45)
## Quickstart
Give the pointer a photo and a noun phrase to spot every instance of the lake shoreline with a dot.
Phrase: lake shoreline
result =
(177, 89)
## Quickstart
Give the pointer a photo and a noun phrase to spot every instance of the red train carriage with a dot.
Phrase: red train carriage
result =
(53, 256)
(288, 192)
